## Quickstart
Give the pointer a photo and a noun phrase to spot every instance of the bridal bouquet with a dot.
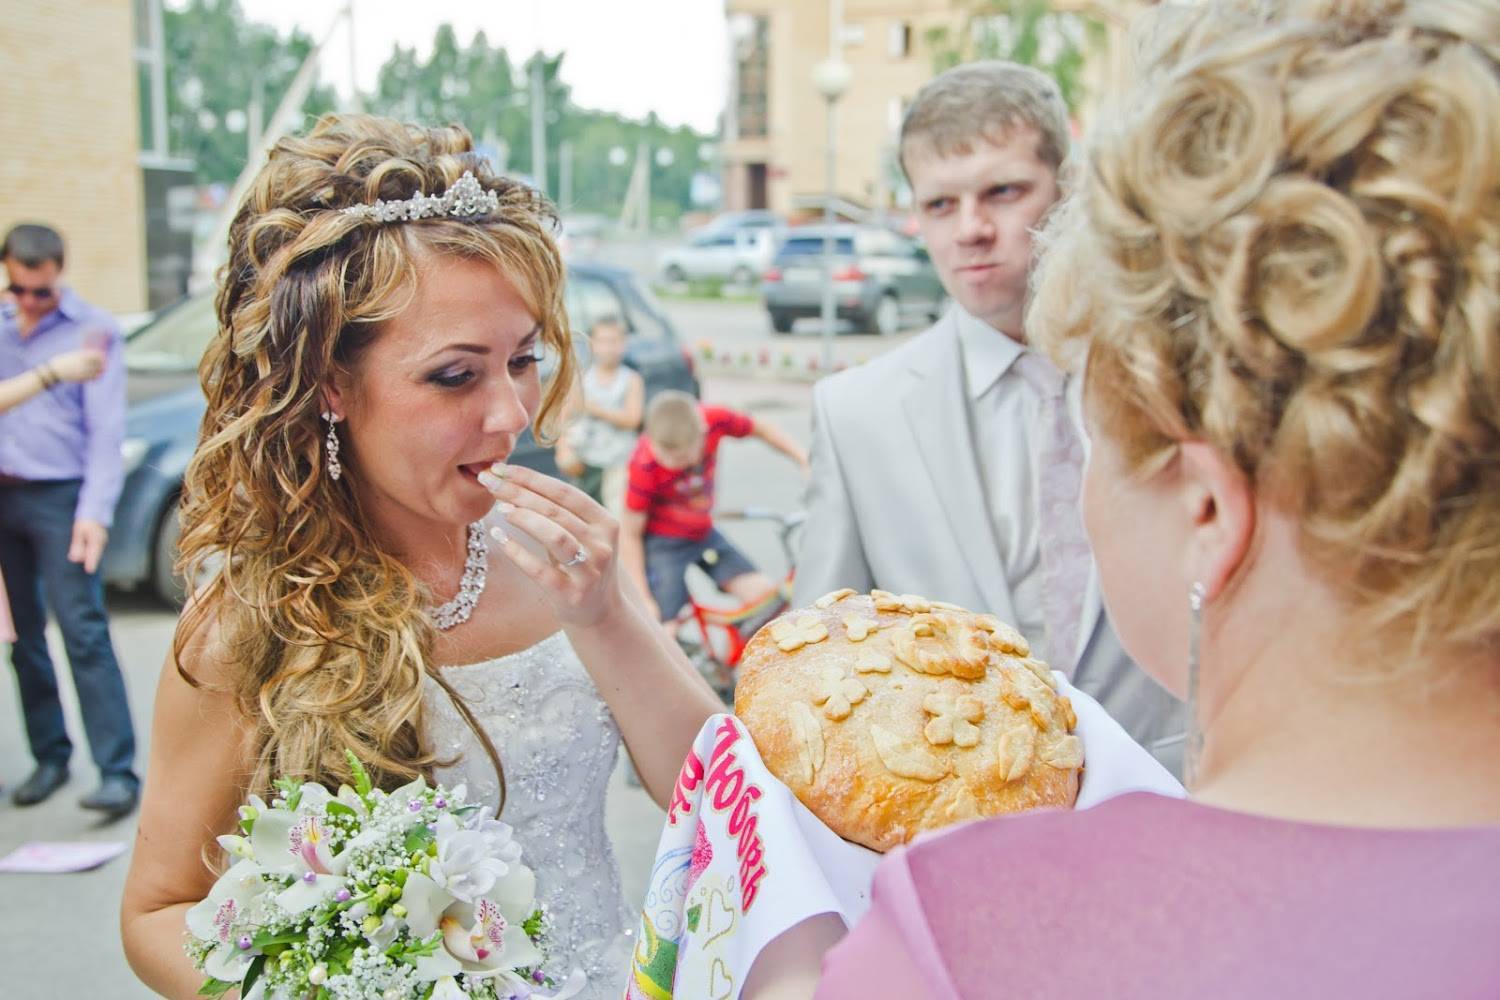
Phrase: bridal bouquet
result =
(411, 895)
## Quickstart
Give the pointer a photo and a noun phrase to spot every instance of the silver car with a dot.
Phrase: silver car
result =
(737, 256)
(882, 281)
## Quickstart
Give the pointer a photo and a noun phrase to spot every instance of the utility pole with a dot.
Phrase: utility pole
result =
(355, 103)
(564, 174)
(538, 124)
(257, 116)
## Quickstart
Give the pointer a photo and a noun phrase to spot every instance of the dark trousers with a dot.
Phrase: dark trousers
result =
(36, 530)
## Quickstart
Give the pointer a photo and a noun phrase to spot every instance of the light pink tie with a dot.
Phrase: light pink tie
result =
(1064, 546)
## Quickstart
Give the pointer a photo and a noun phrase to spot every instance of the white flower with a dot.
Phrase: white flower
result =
(297, 844)
(480, 939)
(217, 917)
(471, 860)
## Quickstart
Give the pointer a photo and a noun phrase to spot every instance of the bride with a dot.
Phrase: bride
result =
(385, 583)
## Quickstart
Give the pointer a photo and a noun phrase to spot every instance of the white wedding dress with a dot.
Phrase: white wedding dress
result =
(558, 743)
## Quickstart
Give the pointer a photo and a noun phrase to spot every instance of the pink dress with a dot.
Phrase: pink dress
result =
(1145, 896)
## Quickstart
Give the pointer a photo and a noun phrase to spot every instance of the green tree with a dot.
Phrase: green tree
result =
(1028, 32)
(478, 86)
(213, 60)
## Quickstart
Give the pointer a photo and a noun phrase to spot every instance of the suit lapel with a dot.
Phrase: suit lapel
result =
(935, 405)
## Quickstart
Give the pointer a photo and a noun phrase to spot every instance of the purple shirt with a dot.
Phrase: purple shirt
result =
(1145, 896)
(71, 431)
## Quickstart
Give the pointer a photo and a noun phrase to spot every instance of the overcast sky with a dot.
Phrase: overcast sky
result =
(630, 56)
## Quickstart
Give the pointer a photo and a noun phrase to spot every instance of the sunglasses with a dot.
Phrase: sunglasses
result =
(40, 294)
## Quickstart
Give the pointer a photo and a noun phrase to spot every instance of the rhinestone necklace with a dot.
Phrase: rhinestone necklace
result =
(470, 586)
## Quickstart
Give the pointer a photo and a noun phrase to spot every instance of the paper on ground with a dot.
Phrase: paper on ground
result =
(57, 857)
(741, 859)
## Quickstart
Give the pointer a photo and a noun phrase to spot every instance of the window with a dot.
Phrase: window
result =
(150, 63)
(900, 39)
(812, 246)
(751, 61)
(175, 340)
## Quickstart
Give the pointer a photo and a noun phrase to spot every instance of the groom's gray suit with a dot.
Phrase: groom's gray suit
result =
(896, 502)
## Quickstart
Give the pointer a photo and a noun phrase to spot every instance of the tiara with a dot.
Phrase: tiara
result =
(466, 197)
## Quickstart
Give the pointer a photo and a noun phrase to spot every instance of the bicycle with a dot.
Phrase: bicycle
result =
(714, 638)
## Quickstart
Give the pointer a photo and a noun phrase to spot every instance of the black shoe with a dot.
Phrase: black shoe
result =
(116, 795)
(46, 779)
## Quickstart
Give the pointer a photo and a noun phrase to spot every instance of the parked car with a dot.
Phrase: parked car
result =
(736, 255)
(166, 407)
(882, 281)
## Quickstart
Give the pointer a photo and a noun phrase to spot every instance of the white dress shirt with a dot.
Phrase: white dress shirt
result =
(1004, 417)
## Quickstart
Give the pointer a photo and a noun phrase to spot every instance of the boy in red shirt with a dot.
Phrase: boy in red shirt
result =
(668, 520)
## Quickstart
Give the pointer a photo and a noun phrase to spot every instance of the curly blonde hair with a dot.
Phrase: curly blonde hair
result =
(1286, 243)
(327, 636)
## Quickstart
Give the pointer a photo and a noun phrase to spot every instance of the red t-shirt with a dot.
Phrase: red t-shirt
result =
(679, 502)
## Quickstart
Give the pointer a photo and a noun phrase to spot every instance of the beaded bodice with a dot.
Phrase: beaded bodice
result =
(558, 742)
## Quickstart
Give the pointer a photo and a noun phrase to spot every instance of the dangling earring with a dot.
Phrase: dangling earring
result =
(1193, 746)
(335, 470)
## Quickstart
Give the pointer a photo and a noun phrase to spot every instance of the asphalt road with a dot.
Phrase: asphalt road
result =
(59, 934)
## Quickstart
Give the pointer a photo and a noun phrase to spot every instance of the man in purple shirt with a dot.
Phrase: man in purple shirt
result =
(60, 475)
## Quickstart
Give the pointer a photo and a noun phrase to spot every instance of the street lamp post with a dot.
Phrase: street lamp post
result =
(831, 78)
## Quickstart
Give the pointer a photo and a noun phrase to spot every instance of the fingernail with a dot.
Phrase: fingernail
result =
(498, 535)
(506, 506)
(488, 480)
(500, 469)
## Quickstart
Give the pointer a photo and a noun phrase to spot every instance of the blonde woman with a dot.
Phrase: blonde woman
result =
(1284, 267)
(376, 362)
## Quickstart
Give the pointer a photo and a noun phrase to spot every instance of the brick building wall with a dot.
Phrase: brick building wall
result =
(68, 139)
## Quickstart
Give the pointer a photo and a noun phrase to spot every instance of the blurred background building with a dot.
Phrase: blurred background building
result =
(71, 150)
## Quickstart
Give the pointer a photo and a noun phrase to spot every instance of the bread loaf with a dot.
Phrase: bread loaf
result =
(889, 715)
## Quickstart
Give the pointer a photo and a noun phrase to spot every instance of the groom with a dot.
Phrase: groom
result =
(951, 466)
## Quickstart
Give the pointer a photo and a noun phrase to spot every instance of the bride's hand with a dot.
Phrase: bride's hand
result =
(579, 537)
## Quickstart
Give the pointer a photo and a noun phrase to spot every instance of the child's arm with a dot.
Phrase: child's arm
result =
(778, 439)
(633, 555)
(568, 462)
(628, 416)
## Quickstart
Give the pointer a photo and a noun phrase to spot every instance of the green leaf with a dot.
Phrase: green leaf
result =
(337, 808)
(361, 776)
(257, 965)
(417, 838)
(265, 939)
(215, 988)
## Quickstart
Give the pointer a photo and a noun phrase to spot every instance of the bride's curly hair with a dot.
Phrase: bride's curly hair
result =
(326, 635)
(1286, 242)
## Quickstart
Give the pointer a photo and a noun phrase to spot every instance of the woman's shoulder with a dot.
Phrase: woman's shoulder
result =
(1090, 841)
(1156, 883)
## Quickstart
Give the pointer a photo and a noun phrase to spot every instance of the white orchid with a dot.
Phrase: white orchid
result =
(288, 844)
(216, 919)
(482, 938)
